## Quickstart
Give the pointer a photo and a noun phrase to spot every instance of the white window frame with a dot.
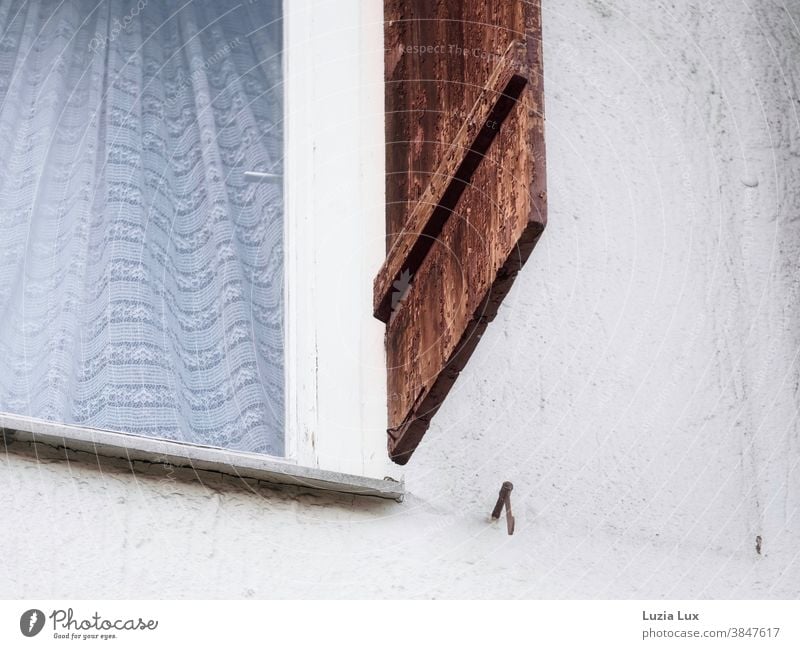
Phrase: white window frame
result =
(334, 241)
(336, 406)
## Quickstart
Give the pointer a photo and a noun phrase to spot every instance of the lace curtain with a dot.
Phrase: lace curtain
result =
(140, 274)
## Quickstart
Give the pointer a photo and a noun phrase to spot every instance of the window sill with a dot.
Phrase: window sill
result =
(202, 458)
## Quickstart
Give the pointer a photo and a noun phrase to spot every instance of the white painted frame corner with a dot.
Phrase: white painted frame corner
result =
(336, 408)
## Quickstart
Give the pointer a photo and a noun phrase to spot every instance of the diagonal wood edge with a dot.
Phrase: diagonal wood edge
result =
(453, 174)
(404, 439)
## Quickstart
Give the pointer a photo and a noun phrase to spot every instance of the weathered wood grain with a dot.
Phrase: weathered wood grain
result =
(497, 218)
(452, 174)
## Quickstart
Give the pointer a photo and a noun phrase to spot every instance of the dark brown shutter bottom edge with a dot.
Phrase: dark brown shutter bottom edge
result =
(404, 439)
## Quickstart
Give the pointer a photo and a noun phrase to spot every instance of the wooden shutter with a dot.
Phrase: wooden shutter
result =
(465, 188)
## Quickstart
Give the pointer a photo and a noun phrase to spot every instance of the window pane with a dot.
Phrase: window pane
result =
(141, 275)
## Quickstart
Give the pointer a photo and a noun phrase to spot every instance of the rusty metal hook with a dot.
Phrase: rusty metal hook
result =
(504, 500)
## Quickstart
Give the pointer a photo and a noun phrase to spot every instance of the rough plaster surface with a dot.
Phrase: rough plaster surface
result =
(640, 387)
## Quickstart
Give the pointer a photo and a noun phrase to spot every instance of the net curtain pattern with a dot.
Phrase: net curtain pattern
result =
(140, 275)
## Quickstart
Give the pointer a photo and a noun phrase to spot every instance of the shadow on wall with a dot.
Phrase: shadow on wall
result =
(160, 475)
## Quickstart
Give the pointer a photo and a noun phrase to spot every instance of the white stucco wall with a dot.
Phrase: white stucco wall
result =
(639, 387)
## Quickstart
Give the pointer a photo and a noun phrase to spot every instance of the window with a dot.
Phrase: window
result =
(141, 275)
(172, 266)
(197, 197)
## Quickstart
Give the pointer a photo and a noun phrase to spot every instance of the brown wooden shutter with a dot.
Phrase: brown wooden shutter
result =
(465, 188)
